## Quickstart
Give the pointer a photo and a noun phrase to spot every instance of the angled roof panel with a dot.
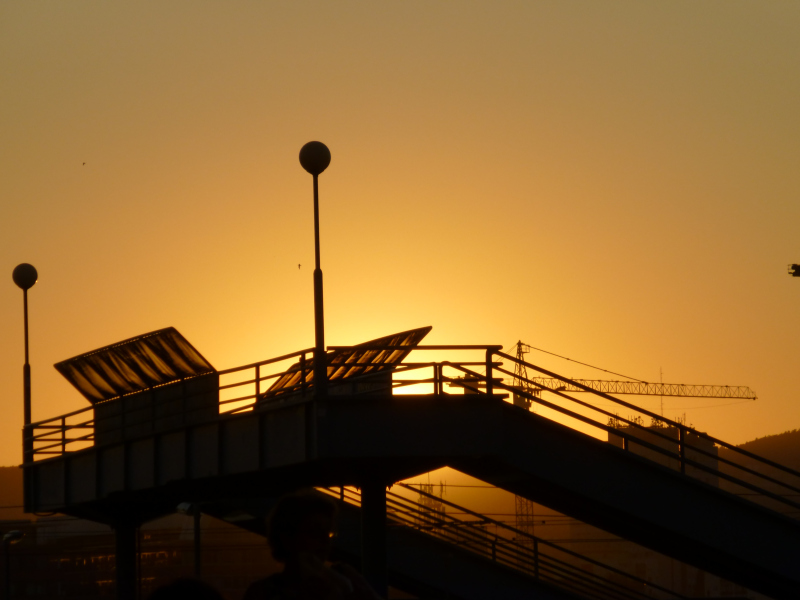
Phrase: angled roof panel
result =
(133, 365)
(342, 361)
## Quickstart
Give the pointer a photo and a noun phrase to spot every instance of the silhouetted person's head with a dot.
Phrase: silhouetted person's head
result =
(186, 589)
(301, 523)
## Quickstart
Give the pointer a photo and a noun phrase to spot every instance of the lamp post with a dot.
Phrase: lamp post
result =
(315, 158)
(25, 276)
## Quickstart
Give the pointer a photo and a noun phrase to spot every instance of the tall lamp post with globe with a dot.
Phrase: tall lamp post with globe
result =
(315, 158)
(25, 276)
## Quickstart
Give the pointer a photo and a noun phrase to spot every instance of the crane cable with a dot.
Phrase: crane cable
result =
(581, 363)
(513, 346)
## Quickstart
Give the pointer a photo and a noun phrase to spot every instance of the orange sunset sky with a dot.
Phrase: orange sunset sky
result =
(616, 182)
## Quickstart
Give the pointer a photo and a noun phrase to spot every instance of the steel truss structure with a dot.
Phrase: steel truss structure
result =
(642, 388)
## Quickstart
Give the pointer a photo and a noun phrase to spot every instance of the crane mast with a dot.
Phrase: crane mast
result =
(521, 381)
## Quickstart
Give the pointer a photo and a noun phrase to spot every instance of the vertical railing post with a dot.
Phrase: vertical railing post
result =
(63, 435)
(303, 374)
(184, 416)
(683, 450)
(536, 558)
(122, 419)
(489, 386)
(258, 381)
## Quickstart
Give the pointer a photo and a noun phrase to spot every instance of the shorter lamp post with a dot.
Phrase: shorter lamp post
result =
(25, 276)
(193, 510)
(12, 537)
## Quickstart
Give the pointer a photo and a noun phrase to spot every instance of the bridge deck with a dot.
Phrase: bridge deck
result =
(348, 440)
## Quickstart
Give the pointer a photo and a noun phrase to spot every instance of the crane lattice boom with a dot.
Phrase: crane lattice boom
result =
(650, 389)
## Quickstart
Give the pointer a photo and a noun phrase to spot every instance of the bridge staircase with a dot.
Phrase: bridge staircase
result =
(384, 421)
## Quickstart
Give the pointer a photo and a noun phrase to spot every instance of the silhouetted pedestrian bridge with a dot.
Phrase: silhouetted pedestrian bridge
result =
(165, 427)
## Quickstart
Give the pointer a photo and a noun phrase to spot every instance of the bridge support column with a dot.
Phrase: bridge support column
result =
(125, 559)
(373, 535)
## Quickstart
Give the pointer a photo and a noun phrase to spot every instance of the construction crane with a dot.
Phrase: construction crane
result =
(634, 387)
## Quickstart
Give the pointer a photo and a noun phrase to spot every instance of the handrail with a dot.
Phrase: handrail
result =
(658, 449)
(681, 443)
(614, 430)
(655, 431)
(420, 347)
(653, 415)
(266, 362)
(74, 412)
(519, 532)
(683, 460)
(510, 552)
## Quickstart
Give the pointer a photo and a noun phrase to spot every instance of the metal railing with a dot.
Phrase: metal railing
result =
(694, 453)
(240, 389)
(670, 443)
(237, 391)
(512, 548)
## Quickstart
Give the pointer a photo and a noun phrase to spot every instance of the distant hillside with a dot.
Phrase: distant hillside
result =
(783, 448)
(11, 494)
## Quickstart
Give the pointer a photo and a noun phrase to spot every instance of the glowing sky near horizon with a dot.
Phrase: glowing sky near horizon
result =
(614, 182)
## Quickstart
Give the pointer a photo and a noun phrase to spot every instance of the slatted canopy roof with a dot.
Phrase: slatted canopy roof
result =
(342, 361)
(133, 365)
